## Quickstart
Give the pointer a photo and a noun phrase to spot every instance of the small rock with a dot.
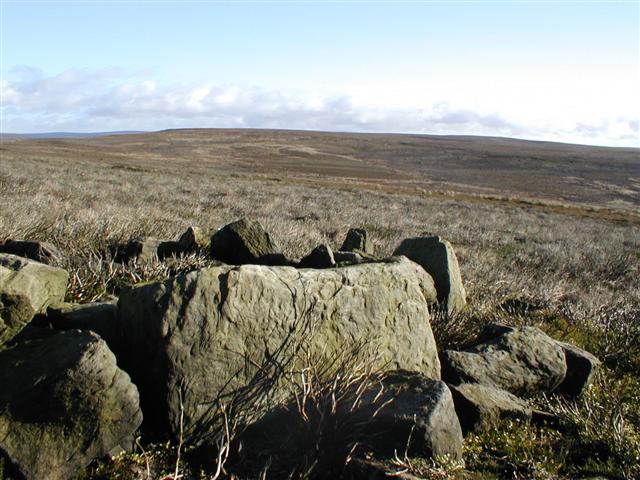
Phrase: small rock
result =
(581, 366)
(193, 240)
(27, 287)
(100, 317)
(43, 252)
(140, 249)
(242, 242)
(171, 248)
(481, 407)
(357, 239)
(63, 403)
(413, 413)
(347, 258)
(437, 257)
(320, 257)
(523, 361)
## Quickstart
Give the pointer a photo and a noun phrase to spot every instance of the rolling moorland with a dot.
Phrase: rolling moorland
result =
(546, 234)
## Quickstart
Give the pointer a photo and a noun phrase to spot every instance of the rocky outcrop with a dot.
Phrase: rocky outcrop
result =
(243, 242)
(319, 257)
(63, 403)
(481, 407)
(27, 287)
(357, 240)
(523, 361)
(195, 338)
(437, 257)
(43, 252)
(411, 412)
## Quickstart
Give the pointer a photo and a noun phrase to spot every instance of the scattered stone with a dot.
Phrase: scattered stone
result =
(216, 331)
(411, 412)
(581, 366)
(63, 403)
(100, 318)
(194, 240)
(242, 242)
(347, 258)
(27, 287)
(171, 248)
(523, 361)
(482, 407)
(143, 249)
(357, 240)
(320, 257)
(437, 257)
(43, 252)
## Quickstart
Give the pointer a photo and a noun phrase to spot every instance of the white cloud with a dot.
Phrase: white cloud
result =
(112, 99)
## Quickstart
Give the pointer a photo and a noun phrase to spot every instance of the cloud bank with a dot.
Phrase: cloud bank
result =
(113, 99)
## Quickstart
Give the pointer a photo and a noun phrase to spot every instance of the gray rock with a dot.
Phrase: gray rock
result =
(319, 257)
(171, 248)
(43, 252)
(216, 331)
(194, 239)
(144, 249)
(27, 287)
(63, 402)
(481, 407)
(523, 361)
(347, 258)
(411, 412)
(437, 257)
(100, 317)
(581, 366)
(242, 242)
(357, 240)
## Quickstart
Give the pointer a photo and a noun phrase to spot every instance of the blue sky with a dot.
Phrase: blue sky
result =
(566, 71)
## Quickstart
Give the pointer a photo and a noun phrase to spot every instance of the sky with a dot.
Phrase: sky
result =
(564, 71)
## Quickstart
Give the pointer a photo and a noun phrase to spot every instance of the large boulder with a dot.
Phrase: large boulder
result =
(523, 361)
(43, 252)
(357, 239)
(200, 336)
(481, 407)
(409, 411)
(243, 242)
(437, 257)
(26, 288)
(63, 402)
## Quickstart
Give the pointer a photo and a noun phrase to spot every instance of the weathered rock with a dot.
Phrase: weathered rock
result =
(320, 257)
(481, 407)
(347, 258)
(100, 318)
(437, 257)
(26, 288)
(581, 366)
(139, 249)
(523, 361)
(170, 248)
(242, 242)
(357, 239)
(194, 239)
(63, 402)
(409, 411)
(208, 333)
(43, 252)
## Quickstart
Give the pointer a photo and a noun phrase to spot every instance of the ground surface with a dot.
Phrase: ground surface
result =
(555, 226)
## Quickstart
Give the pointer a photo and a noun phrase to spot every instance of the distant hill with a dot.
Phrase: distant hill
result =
(485, 168)
(66, 134)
